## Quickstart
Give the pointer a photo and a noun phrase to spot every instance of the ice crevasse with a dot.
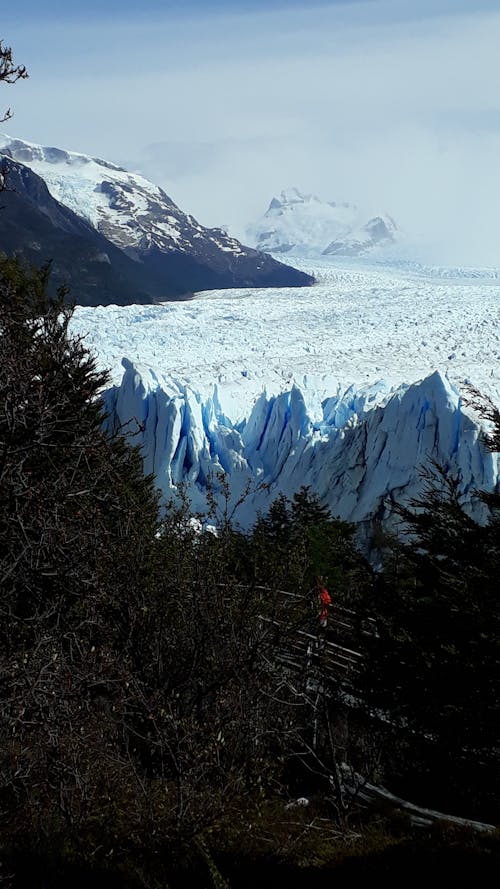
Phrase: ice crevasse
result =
(359, 450)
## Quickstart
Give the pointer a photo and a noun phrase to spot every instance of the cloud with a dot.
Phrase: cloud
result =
(389, 103)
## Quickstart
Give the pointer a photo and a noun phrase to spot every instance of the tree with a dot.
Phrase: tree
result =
(299, 539)
(143, 696)
(433, 669)
(221, 712)
(77, 526)
(9, 72)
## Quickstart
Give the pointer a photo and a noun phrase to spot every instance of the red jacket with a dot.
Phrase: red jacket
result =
(325, 600)
(324, 596)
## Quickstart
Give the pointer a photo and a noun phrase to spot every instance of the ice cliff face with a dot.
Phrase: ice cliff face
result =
(361, 455)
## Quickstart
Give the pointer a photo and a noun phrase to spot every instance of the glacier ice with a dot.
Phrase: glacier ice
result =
(361, 456)
(349, 389)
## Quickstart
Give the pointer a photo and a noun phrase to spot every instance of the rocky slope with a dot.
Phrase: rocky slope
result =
(38, 229)
(173, 253)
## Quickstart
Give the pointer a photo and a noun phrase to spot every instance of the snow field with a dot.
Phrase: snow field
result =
(349, 387)
(356, 326)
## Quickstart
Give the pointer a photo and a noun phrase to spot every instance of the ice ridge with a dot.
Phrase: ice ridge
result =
(364, 454)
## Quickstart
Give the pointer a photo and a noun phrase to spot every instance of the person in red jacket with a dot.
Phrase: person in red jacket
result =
(325, 600)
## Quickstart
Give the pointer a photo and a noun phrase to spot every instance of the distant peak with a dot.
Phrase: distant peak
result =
(291, 196)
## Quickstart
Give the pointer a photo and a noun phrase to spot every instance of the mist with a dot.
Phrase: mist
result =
(392, 105)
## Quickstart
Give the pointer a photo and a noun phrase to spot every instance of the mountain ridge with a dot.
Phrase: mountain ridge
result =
(174, 253)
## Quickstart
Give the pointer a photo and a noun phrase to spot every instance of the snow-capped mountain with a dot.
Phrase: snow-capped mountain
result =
(303, 225)
(34, 226)
(142, 221)
(131, 212)
(377, 232)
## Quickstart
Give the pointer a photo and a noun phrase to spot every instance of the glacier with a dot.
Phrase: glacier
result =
(360, 457)
(350, 388)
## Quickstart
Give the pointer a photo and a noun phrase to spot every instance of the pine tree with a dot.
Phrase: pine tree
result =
(433, 669)
(298, 540)
(77, 525)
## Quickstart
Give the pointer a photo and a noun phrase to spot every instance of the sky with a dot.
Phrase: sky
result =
(391, 104)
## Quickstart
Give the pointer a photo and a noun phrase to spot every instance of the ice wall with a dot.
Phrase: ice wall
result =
(362, 454)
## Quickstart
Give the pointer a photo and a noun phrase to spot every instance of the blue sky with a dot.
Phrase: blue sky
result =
(95, 10)
(131, 8)
(394, 104)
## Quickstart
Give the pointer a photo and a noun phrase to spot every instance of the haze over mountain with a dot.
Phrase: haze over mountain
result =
(146, 247)
(389, 103)
(303, 225)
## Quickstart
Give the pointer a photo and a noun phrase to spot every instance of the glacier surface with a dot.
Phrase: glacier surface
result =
(350, 387)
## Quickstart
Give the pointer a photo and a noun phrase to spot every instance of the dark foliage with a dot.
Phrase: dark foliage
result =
(434, 669)
(77, 518)
(143, 694)
(298, 540)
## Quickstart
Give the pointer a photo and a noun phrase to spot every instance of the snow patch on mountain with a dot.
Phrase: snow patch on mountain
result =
(126, 208)
(82, 183)
(303, 225)
(376, 233)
